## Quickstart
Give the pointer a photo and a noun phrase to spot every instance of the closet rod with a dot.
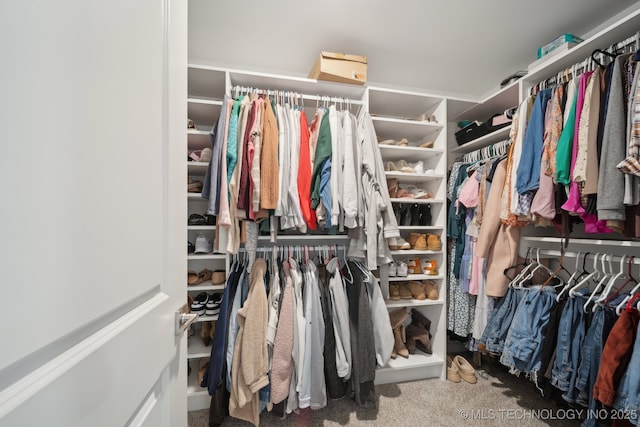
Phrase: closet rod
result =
(571, 254)
(587, 63)
(303, 96)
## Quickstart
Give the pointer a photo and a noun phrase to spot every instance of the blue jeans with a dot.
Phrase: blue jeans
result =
(592, 346)
(628, 396)
(571, 331)
(523, 347)
(495, 332)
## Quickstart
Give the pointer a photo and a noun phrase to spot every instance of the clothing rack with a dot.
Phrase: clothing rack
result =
(294, 97)
(629, 44)
(494, 150)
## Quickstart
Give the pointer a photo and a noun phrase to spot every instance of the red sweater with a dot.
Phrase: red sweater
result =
(304, 175)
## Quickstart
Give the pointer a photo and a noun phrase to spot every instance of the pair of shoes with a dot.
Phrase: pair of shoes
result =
(207, 330)
(413, 214)
(403, 142)
(398, 243)
(397, 318)
(453, 373)
(418, 241)
(392, 186)
(194, 186)
(203, 245)
(425, 266)
(430, 267)
(398, 269)
(196, 278)
(464, 368)
(418, 335)
(205, 304)
(426, 144)
(191, 248)
(191, 124)
(206, 219)
(419, 290)
(394, 291)
(425, 117)
(201, 156)
(399, 166)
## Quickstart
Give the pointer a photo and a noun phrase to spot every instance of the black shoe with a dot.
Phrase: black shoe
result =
(407, 218)
(425, 215)
(415, 214)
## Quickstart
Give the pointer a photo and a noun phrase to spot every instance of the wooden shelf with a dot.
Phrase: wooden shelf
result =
(483, 141)
(205, 286)
(196, 348)
(414, 252)
(197, 168)
(205, 82)
(420, 227)
(204, 112)
(495, 103)
(193, 388)
(415, 277)
(401, 103)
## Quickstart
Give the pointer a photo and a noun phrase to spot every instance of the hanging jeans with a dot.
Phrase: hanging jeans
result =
(523, 347)
(498, 325)
(603, 321)
(571, 333)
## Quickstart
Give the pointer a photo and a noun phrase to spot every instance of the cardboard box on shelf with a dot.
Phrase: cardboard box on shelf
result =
(559, 41)
(340, 67)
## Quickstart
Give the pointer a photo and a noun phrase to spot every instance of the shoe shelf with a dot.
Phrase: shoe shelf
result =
(193, 388)
(205, 286)
(423, 201)
(203, 111)
(414, 252)
(398, 152)
(201, 227)
(199, 168)
(417, 366)
(412, 302)
(196, 348)
(206, 256)
(413, 178)
(483, 141)
(197, 132)
(419, 227)
(196, 196)
(207, 318)
(417, 277)
(413, 130)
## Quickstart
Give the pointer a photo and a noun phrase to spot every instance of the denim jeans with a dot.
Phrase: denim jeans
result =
(523, 346)
(571, 331)
(592, 346)
(498, 325)
(628, 396)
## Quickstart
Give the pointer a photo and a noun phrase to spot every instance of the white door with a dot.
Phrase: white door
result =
(92, 211)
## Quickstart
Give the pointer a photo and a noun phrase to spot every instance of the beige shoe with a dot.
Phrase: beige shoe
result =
(421, 243)
(453, 373)
(398, 243)
(430, 289)
(412, 238)
(394, 292)
(397, 317)
(417, 290)
(467, 372)
(433, 242)
(430, 267)
(404, 291)
(414, 266)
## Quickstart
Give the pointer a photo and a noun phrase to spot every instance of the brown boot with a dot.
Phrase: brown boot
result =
(430, 289)
(418, 337)
(417, 290)
(212, 330)
(433, 242)
(205, 332)
(397, 317)
(420, 319)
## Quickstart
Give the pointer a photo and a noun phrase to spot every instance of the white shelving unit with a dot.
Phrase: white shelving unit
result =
(393, 114)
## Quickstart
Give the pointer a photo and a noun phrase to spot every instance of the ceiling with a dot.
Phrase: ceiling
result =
(453, 47)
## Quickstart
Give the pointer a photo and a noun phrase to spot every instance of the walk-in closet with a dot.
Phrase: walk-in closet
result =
(349, 213)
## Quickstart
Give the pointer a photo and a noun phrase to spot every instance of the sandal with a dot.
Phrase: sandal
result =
(192, 278)
(403, 166)
(391, 167)
(419, 193)
(428, 144)
(203, 276)
(392, 186)
(403, 194)
(197, 219)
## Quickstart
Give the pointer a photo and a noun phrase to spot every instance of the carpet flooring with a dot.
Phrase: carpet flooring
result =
(498, 399)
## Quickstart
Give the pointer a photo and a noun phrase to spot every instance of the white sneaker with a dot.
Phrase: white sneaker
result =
(393, 272)
(401, 269)
(395, 243)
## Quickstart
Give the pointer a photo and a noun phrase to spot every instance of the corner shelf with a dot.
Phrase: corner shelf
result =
(418, 366)
(396, 152)
(415, 277)
(196, 348)
(483, 141)
(413, 302)
(413, 178)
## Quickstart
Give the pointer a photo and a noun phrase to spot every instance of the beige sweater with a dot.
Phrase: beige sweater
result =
(250, 360)
(269, 159)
